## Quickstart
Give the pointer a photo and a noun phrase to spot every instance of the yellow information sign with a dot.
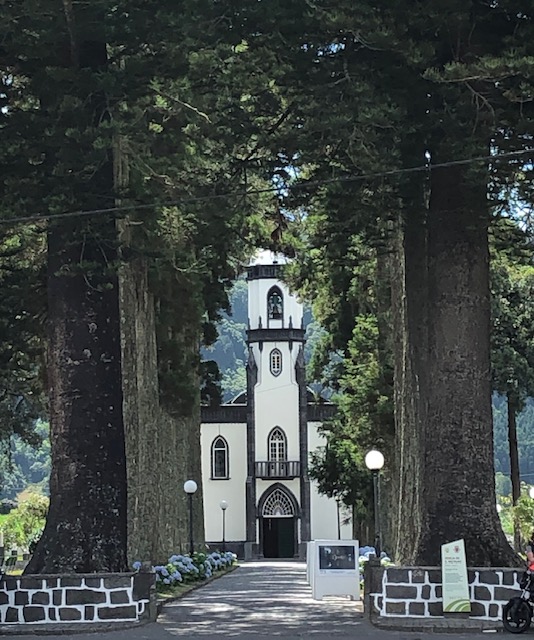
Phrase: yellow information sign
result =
(454, 578)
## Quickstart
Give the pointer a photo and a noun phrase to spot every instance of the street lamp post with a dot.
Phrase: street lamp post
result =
(374, 461)
(224, 505)
(190, 487)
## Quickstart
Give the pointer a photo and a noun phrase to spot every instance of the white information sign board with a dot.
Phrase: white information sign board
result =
(335, 569)
(310, 560)
(454, 578)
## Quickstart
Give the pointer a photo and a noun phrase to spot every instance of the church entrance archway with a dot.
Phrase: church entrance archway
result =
(278, 509)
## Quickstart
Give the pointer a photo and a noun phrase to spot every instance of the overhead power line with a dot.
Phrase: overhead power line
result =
(274, 189)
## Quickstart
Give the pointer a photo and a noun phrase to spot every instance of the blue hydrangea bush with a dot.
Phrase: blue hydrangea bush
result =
(365, 552)
(184, 569)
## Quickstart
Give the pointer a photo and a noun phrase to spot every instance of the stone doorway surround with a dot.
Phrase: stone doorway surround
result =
(278, 504)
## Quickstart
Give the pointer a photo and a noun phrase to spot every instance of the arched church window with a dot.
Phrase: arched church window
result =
(278, 504)
(277, 445)
(275, 362)
(275, 304)
(219, 458)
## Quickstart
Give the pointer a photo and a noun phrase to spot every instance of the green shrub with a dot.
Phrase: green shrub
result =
(24, 525)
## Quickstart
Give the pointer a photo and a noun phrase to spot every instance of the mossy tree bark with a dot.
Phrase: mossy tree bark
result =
(409, 288)
(409, 305)
(163, 450)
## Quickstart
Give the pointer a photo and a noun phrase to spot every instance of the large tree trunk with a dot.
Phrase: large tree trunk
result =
(143, 431)
(409, 299)
(162, 450)
(386, 426)
(409, 277)
(458, 478)
(86, 525)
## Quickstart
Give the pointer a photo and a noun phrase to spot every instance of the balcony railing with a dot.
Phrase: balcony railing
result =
(281, 469)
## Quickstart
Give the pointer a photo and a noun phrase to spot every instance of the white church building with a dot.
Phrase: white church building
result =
(256, 449)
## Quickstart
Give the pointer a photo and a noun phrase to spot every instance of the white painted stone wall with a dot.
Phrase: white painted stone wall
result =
(73, 599)
(416, 592)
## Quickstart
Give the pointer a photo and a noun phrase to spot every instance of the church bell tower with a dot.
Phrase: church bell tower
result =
(277, 484)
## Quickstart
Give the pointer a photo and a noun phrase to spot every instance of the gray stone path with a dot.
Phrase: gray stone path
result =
(262, 599)
(259, 600)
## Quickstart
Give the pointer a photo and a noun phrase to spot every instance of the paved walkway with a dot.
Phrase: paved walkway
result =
(259, 600)
(262, 599)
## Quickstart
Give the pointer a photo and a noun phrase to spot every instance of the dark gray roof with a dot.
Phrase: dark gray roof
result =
(237, 413)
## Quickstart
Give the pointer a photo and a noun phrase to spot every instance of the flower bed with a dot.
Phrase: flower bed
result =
(184, 569)
(365, 554)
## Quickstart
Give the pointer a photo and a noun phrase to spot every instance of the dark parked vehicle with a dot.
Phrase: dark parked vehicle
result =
(517, 612)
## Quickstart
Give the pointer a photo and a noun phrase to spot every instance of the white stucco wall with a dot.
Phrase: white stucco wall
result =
(324, 516)
(276, 399)
(257, 305)
(231, 490)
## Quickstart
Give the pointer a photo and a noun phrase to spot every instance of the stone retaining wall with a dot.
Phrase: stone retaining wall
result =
(416, 592)
(77, 598)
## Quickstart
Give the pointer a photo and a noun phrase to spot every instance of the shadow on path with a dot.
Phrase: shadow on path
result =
(261, 599)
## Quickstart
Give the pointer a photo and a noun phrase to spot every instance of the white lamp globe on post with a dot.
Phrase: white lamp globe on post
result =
(190, 487)
(224, 505)
(374, 461)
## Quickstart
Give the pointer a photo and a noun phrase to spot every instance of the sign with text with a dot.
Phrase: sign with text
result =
(454, 578)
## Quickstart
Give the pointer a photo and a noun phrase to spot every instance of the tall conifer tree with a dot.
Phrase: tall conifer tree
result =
(128, 103)
(393, 86)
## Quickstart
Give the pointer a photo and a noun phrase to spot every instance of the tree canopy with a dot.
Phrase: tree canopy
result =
(372, 142)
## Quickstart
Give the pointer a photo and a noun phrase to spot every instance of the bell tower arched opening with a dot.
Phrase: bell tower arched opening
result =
(275, 304)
